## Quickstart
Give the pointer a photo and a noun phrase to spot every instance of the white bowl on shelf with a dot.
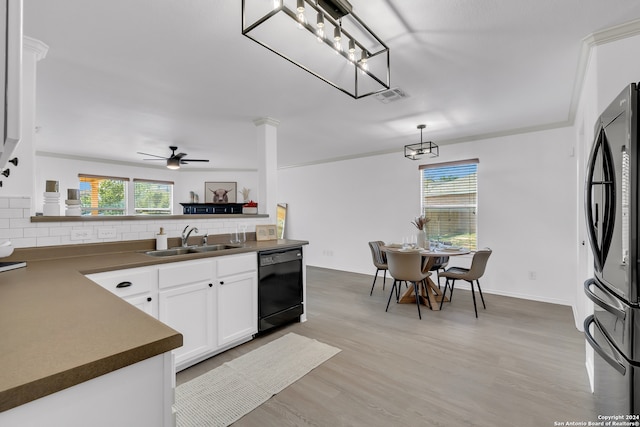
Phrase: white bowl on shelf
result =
(6, 249)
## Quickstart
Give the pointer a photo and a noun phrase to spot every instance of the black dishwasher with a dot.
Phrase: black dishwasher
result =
(279, 287)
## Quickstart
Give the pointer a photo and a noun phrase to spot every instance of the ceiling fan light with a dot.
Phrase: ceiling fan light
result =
(173, 164)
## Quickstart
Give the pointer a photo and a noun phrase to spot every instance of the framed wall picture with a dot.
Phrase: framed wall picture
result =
(220, 192)
(266, 232)
(281, 213)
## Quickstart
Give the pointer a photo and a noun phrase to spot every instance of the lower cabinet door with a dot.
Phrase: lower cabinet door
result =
(237, 307)
(189, 309)
(143, 302)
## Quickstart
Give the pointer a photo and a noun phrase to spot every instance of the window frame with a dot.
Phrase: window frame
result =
(152, 181)
(129, 197)
(97, 209)
(463, 208)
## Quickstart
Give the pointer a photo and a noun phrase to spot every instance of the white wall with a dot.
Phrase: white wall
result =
(526, 213)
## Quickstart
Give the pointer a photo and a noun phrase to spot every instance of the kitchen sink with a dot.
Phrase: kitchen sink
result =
(210, 248)
(170, 252)
(190, 250)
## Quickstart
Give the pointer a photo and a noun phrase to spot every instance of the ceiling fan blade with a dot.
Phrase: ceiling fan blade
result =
(178, 156)
(156, 159)
(152, 155)
(194, 160)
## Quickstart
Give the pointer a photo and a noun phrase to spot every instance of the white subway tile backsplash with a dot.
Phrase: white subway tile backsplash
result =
(20, 202)
(36, 232)
(130, 236)
(11, 213)
(48, 241)
(138, 228)
(24, 243)
(19, 223)
(60, 231)
(15, 224)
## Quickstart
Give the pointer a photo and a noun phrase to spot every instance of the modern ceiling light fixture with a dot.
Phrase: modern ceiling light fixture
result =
(415, 151)
(349, 56)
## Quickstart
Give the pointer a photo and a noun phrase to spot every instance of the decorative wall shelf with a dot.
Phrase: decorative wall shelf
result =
(211, 208)
(140, 217)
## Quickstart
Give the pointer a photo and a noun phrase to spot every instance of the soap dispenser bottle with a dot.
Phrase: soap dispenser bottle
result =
(161, 240)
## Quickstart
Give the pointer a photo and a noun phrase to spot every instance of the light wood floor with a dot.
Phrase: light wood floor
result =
(521, 363)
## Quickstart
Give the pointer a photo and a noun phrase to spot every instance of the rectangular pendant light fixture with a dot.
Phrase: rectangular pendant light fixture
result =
(422, 148)
(324, 38)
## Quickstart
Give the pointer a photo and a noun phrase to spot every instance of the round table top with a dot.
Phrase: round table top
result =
(428, 253)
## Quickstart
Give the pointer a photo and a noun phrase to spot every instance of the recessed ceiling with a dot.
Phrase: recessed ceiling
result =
(127, 76)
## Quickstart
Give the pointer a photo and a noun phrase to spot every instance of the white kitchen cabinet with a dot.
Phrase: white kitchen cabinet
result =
(138, 395)
(237, 299)
(137, 286)
(212, 302)
(187, 304)
(145, 303)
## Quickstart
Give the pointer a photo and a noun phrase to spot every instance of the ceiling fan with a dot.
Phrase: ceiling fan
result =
(175, 160)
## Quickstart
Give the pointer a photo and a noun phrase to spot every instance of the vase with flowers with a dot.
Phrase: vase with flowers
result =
(422, 237)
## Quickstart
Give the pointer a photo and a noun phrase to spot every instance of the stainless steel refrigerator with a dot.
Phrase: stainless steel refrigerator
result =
(612, 213)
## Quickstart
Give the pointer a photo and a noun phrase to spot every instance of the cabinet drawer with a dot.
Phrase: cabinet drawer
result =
(126, 282)
(236, 264)
(181, 273)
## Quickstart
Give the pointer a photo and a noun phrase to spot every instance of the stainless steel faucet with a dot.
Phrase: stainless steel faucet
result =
(186, 234)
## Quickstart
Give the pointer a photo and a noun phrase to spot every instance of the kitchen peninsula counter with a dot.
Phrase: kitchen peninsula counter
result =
(59, 329)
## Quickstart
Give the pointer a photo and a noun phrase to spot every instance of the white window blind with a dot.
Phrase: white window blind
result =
(450, 201)
(103, 195)
(153, 197)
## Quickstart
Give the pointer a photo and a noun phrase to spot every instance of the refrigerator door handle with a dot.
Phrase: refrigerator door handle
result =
(600, 239)
(614, 362)
(616, 311)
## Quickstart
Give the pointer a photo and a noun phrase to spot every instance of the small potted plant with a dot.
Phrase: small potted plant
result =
(250, 208)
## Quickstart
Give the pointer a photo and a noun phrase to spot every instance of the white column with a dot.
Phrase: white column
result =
(267, 139)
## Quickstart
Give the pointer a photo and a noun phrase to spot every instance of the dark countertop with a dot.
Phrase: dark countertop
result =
(59, 329)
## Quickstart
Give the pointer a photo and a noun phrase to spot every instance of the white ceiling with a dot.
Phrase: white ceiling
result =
(124, 76)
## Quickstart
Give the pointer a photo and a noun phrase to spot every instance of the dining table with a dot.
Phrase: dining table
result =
(431, 291)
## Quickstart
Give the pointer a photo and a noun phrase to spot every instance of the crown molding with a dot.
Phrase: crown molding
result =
(619, 32)
(477, 137)
(39, 48)
(266, 121)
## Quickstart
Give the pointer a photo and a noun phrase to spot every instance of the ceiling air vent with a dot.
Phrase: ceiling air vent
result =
(391, 95)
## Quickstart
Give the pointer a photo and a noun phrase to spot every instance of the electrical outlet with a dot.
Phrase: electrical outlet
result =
(533, 275)
(106, 233)
(80, 234)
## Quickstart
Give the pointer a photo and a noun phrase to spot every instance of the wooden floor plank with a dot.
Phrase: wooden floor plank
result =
(521, 363)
